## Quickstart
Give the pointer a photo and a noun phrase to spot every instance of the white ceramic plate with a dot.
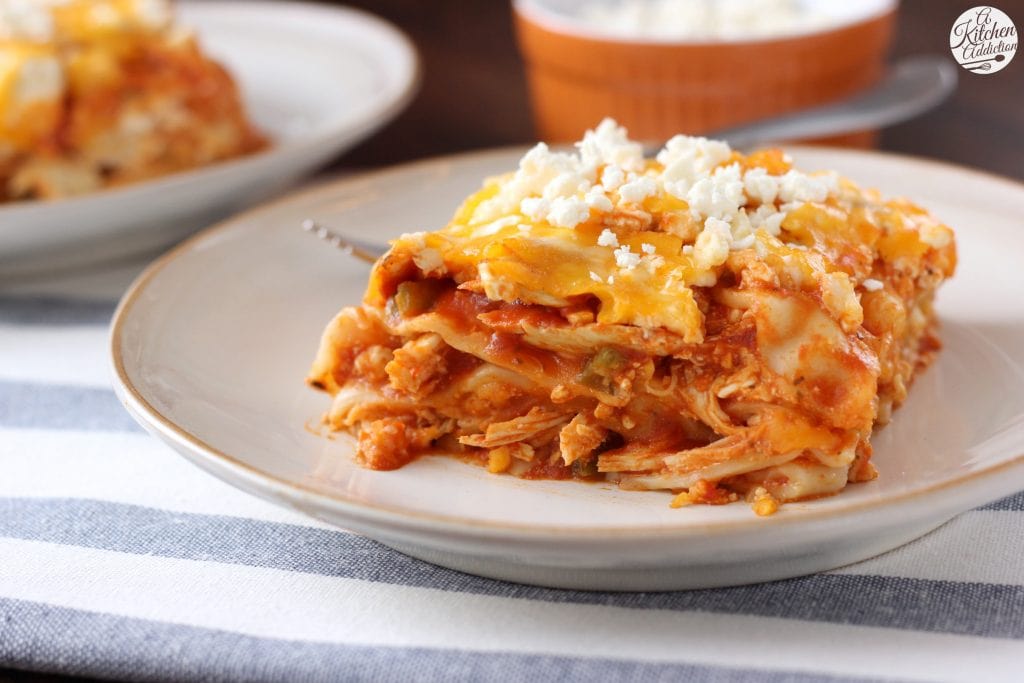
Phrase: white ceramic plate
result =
(212, 344)
(316, 79)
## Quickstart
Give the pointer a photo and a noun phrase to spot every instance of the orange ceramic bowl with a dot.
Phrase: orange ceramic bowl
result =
(658, 88)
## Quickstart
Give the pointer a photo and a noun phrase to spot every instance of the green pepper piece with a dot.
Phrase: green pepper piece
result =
(600, 370)
(416, 297)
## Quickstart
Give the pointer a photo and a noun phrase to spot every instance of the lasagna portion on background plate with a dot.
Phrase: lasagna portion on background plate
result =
(97, 93)
(708, 323)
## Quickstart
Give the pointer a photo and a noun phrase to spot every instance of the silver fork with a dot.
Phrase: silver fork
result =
(364, 251)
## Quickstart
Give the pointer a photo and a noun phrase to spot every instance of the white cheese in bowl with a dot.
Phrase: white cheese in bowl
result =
(702, 19)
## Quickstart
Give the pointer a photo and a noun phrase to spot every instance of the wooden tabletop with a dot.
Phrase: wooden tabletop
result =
(473, 93)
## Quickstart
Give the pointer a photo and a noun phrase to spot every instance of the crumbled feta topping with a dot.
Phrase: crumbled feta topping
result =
(607, 238)
(635, 191)
(760, 186)
(538, 167)
(609, 143)
(743, 243)
(607, 171)
(534, 207)
(612, 177)
(712, 246)
(718, 196)
(800, 187)
(768, 218)
(565, 185)
(685, 157)
(568, 212)
(626, 259)
(872, 285)
(598, 200)
(595, 277)
(647, 248)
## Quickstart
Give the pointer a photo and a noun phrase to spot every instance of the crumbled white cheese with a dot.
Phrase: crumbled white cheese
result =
(609, 143)
(612, 177)
(598, 200)
(712, 246)
(595, 277)
(607, 238)
(795, 186)
(565, 190)
(872, 285)
(688, 159)
(741, 226)
(568, 212)
(760, 186)
(718, 196)
(767, 218)
(743, 243)
(635, 191)
(565, 184)
(535, 207)
(626, 259)
(537, 168)
(611, 279)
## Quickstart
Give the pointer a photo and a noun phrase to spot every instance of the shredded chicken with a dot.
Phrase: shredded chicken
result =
(580, 438)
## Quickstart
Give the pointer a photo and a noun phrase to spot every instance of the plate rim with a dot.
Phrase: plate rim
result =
(380, 116)
(216, 460)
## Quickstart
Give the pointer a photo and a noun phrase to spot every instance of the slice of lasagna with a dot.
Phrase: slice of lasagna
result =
(95, 93)
(708, 323)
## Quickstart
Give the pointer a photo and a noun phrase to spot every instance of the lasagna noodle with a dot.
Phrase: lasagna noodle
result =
(512, 346)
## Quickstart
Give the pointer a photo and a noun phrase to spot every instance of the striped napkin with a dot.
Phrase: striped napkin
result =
(119, 560)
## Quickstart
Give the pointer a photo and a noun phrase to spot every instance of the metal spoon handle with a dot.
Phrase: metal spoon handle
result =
(911, 87)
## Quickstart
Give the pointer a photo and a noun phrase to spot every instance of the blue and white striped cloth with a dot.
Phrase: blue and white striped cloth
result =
(120, 560)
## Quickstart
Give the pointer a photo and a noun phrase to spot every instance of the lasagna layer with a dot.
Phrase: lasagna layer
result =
(703, 322)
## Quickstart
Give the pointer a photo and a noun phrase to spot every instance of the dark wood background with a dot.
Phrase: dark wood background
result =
(473, 96)
(473, 93)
